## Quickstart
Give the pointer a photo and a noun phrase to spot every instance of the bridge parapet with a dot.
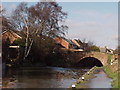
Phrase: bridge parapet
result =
(102, 57)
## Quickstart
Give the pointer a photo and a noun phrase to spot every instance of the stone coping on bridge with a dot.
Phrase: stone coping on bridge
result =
(102, 57)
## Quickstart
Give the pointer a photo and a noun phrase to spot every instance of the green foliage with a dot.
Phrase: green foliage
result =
(109, 59)
(42, 47)
(94, 48)
(19, 42)
(113, 75)
(90, 48)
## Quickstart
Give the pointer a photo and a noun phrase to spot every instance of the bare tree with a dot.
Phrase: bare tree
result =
(51, 14)
(5, 23)
(44, 18)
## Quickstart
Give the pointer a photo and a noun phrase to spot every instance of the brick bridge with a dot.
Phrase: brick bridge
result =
(102, 57)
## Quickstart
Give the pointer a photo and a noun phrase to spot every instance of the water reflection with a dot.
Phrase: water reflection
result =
(46, 77)
(100, 81)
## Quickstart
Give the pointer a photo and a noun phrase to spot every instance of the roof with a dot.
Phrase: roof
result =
(62, 42)
(76, 43)
(11, 35)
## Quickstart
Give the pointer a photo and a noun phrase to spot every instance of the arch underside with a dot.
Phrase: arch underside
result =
(89, 62)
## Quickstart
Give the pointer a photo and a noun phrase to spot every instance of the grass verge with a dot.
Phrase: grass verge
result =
(109, 58)
(113, 76)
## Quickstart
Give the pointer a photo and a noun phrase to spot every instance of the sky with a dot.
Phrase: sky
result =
(93, 21)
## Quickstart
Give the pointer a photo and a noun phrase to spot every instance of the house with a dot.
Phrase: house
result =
(76, 43)
(62, 42)
(68, 45)
(103, 50)
(10, 53)
(106, 50)
(110, 51)
(10, 35)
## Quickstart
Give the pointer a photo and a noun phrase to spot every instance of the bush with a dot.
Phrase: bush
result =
(109, 59)
(92, 48)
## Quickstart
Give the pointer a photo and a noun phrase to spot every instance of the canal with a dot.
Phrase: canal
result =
(100, 80)
(44, 77)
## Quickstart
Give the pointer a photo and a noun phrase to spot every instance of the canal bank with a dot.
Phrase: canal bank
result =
(112, 72)
(95, 78)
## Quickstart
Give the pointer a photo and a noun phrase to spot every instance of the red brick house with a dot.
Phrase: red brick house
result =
(62, 42)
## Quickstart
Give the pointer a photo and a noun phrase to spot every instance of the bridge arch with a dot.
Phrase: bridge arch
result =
(89, 62)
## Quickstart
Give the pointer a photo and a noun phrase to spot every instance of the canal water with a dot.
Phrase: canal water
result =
(100, 80)
(45, 77)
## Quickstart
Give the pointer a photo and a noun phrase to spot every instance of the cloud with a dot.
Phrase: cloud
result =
(116, 37)
(94, 25)
(81, 23)
(13, 6)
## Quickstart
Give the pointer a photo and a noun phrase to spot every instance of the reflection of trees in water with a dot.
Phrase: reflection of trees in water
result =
(47, 77)
(58, 75)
